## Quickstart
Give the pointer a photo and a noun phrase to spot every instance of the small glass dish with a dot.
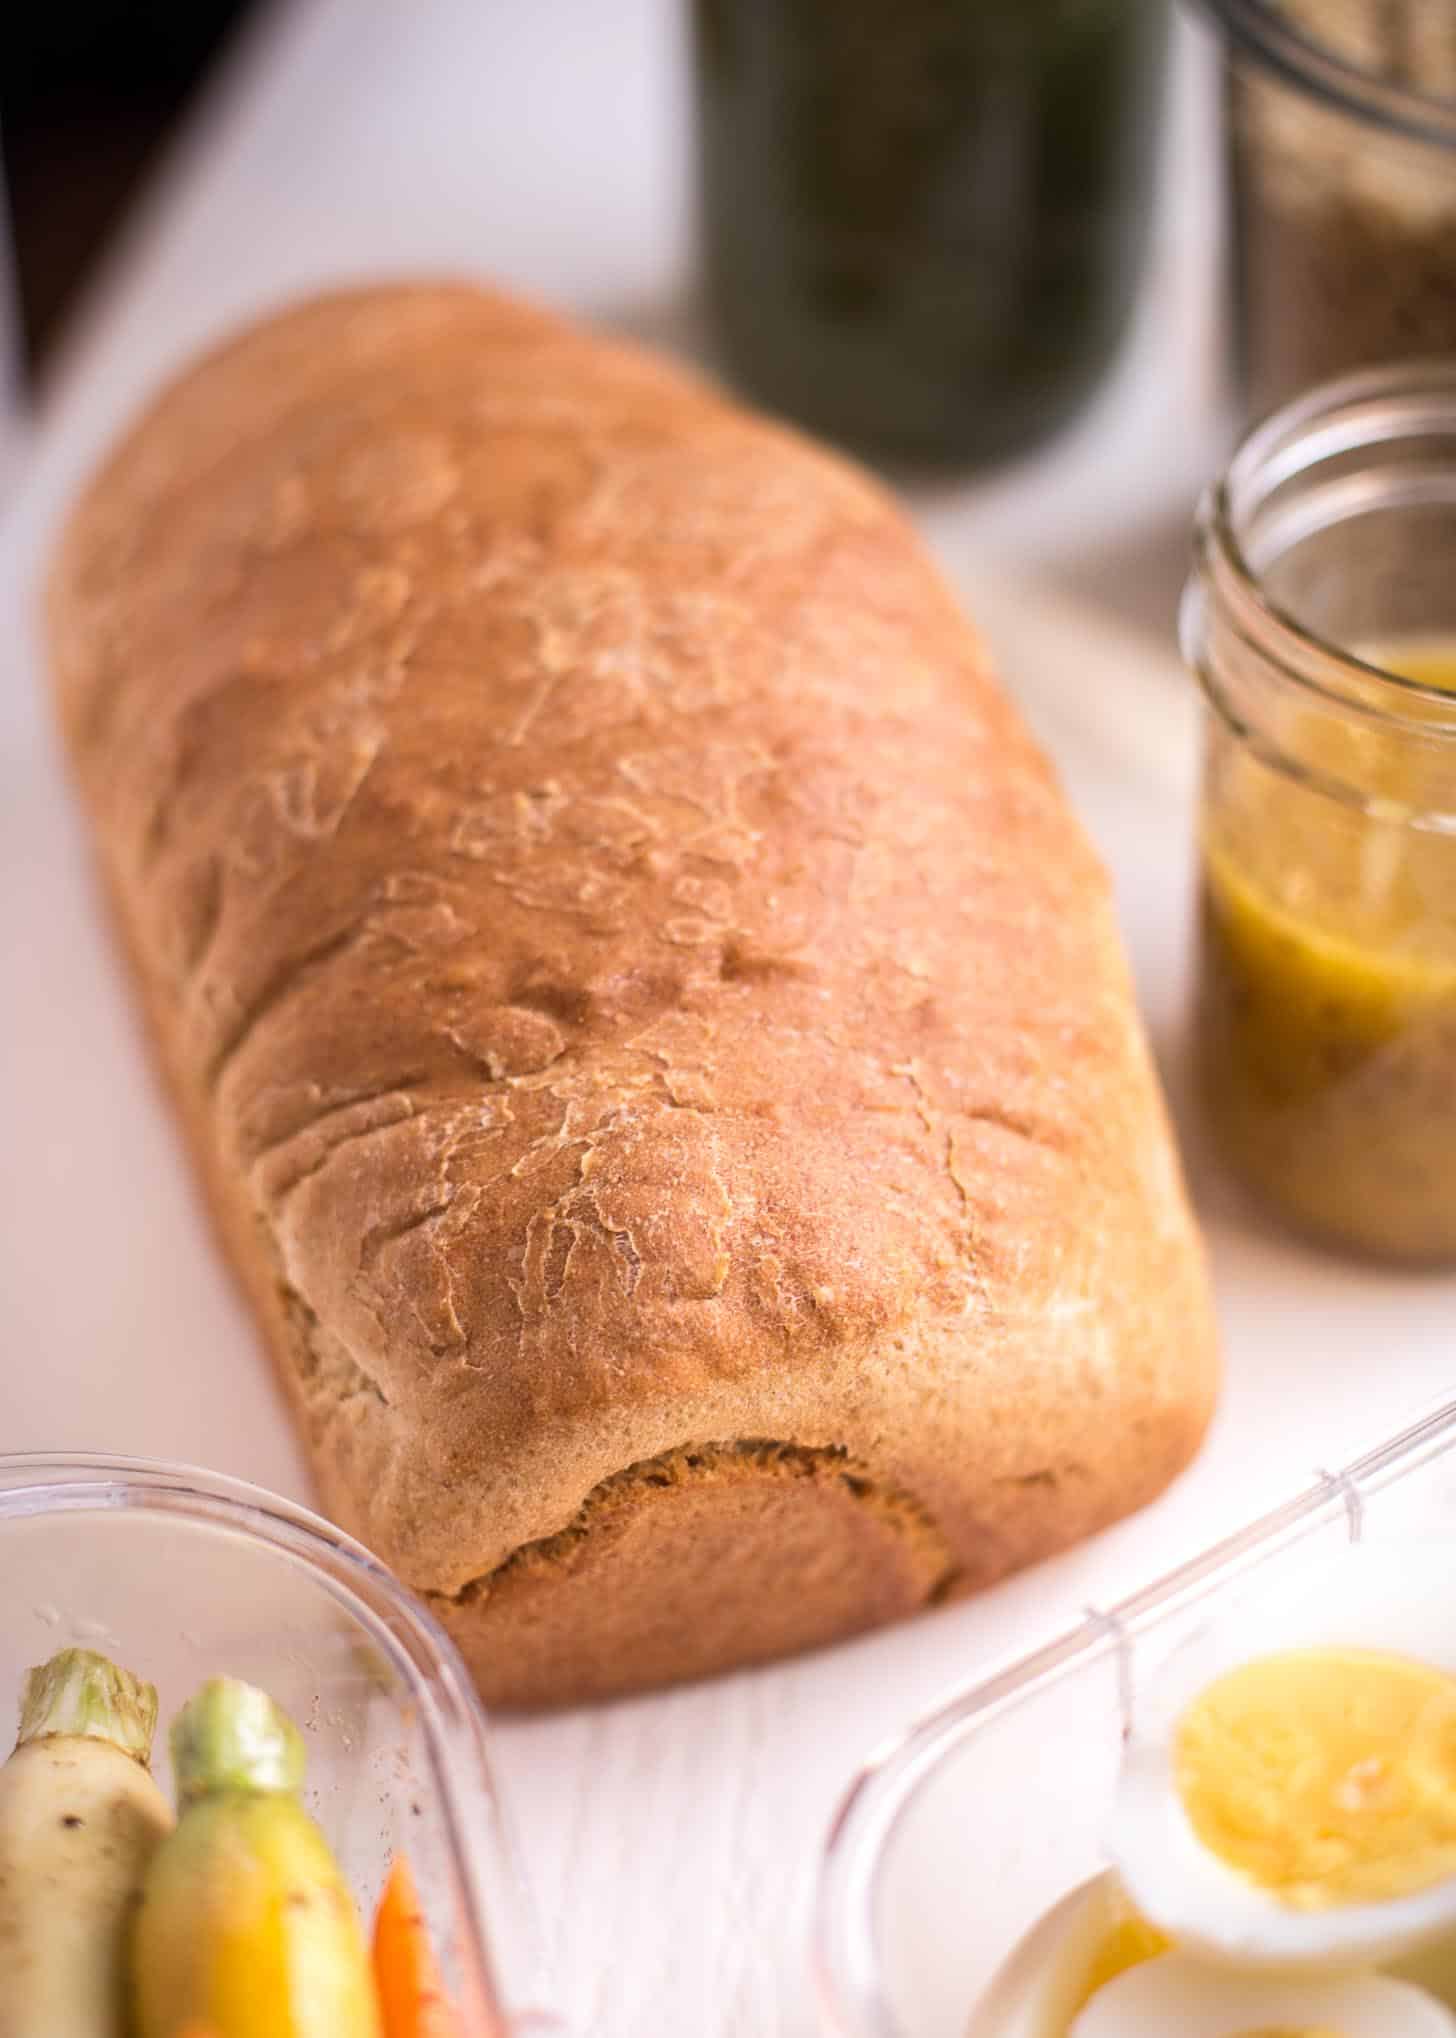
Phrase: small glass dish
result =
(180, 1575)
(958, 1836)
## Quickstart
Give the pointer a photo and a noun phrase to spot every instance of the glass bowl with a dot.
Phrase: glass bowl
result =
(960, 1834)
(180, 1575)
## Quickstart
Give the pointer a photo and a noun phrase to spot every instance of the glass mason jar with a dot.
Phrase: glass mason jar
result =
(1341, 124)
(1321, 620)
(924, 223)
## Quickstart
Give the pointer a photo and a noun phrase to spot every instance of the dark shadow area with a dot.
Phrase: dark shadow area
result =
(90, 91)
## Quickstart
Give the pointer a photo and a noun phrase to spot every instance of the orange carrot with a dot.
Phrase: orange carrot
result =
(412, 1994)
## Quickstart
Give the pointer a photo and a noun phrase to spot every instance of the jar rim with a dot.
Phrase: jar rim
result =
(1371, 407)
(1258, 30)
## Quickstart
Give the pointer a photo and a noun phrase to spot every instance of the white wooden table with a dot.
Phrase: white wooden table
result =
(673, 1841)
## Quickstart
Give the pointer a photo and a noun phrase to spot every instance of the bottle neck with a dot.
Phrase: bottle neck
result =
(1327, 545)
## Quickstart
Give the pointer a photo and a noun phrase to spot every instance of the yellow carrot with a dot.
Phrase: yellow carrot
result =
(412, 1994)
(246, 1926)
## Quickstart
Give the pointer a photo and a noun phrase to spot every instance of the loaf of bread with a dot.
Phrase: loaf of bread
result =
(656, 1042)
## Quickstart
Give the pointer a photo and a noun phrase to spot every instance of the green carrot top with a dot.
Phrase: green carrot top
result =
(81, 1692)
(231, 1736)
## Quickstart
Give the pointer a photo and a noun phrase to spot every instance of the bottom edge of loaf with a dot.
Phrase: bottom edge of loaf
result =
(711, 1556)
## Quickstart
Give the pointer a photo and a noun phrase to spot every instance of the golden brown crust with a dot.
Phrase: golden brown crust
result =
(631, 983)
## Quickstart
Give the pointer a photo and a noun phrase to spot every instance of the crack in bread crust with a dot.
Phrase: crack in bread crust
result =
(748, 1459)
(806, 1535)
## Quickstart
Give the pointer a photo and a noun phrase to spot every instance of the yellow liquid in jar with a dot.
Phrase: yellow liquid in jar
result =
(1326, 1033)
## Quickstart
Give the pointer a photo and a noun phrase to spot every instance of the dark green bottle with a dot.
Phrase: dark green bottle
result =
(925, 220)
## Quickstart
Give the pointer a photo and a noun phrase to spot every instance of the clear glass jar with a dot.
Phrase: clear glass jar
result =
(1321, 620)
(1341, 122)
(181, 1575)
(924, 224)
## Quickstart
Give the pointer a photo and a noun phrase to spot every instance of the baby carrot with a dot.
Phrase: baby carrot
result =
(412, 1994)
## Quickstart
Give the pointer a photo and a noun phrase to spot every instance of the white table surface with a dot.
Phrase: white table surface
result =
(543, 142)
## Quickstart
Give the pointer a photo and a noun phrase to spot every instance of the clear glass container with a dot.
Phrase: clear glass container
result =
(180, 1576)
(1341, 123)
(1321, 621)
(924, 225)
(958, 1837)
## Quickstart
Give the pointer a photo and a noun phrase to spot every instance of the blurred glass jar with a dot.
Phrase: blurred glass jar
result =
(1341, 122)
(925, 220)
(1321, 620)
